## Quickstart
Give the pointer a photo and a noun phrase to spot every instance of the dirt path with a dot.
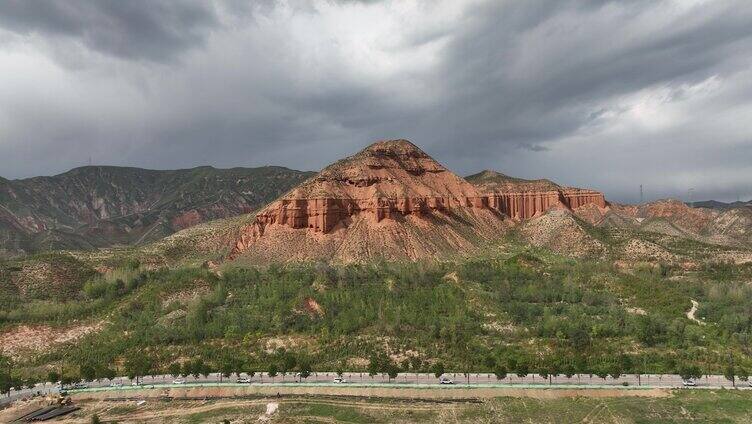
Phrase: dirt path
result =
(379, 392)
(692, 311)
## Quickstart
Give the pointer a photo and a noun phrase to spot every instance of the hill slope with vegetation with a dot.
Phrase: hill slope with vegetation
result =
(101, 206)
(514, 310)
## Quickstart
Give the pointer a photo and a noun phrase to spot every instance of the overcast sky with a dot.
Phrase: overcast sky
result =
(603, 94)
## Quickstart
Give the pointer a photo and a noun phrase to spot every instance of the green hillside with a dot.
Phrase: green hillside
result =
(100, 206)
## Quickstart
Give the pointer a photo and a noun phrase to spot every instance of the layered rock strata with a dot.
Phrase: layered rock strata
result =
(524, 199)
(389, 182)
(527, 204)
(322, 215)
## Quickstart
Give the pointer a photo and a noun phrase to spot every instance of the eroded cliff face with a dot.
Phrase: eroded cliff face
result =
(524, 199)
(394, 199)
(322, 215)
(388, 182)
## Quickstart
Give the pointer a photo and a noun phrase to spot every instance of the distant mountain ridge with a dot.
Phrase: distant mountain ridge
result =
(714, 204)
(99, 206)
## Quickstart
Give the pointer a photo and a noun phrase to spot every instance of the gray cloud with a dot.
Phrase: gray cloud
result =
(156, 30)
(607, 94)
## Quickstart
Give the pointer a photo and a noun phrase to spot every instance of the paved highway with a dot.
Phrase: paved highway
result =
(473, 379)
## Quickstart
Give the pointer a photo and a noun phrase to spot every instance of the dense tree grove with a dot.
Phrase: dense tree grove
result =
(516, 315)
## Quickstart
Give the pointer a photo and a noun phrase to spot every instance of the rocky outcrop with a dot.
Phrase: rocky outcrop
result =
(387, 180)
(322, 215)
(391, 194)
(524, 199)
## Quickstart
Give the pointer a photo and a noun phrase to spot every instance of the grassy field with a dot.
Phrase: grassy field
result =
(683, 406)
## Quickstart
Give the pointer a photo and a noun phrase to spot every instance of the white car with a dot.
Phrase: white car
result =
(136, 383)
(445, 380)
(116, 384)
(339, 380)
(689, 383)
(178, 381)
(244, 380)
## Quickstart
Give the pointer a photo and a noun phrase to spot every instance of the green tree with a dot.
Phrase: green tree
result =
(392, 370)
(186, 369)
(30, 382)
(569, 370)
(6, 377)
(138, 364)
(742, 374)
(174, 369)
(87, 372)
(615, 370)
(579, 337)
(374, 365)
(226, 366)
(523, 368)
(305, 369)
(106, 372)
(689, 372)
(272, 371)
(288, 364)
(500, 371)
(438, 369)
(730, 373)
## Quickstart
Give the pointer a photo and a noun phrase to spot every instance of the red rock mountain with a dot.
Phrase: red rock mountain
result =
(524, 199)
(392, 200)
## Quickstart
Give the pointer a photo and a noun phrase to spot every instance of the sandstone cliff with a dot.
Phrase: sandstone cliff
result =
(391, 199)
(386, 180)
(524, 199)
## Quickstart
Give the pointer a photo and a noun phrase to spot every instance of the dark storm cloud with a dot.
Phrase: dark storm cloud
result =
(608, 94)
(532, 71)
(134, 29)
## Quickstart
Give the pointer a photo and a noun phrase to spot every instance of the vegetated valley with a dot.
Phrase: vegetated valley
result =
(518, 310)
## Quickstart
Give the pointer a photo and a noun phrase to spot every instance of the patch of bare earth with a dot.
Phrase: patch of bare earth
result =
(312, 308)
(374, 392)
(25, 339)
(200, 288)
(642, 249)
(636, 311)
(691, 313)
(559, 231)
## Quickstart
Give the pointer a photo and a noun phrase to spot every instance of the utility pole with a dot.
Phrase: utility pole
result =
(641, 197)
(691, 195)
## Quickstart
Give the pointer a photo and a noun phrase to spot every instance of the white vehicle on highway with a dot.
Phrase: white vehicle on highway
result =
(689, 383)
(339, 380)
(178, 381)
(245, 380)
(116, 384)
(445, 380)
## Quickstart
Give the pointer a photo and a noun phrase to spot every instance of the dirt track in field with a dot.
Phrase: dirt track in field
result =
(458, 394)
